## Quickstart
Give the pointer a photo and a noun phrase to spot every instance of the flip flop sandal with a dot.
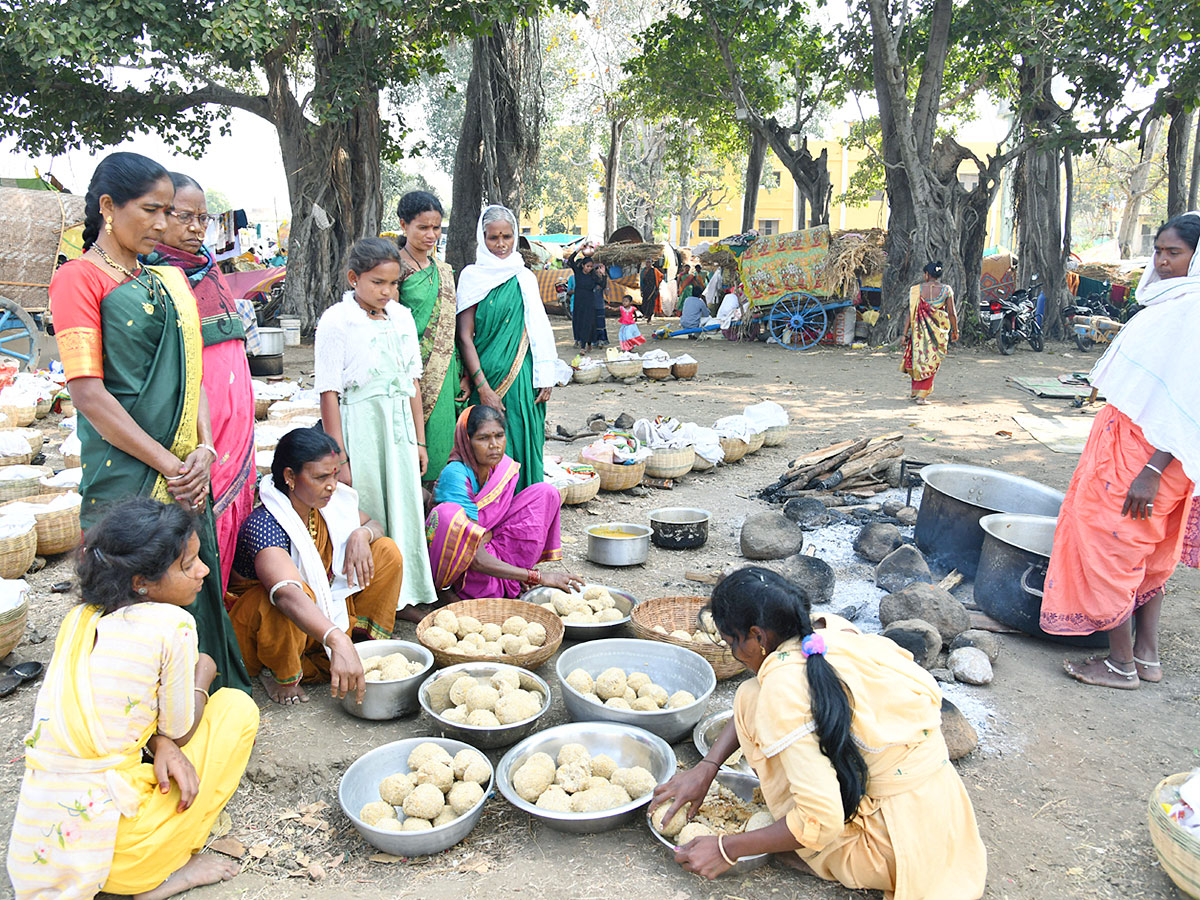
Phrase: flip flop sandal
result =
(9, 683)
(61, 587)
(28, 670)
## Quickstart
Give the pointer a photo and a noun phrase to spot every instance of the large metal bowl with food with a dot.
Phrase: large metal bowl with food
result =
(626, 745)
(389, 699)
(705, 734)
(584, 631)
(743, 786)
(671, 667)
(360, 786)
(434, 697)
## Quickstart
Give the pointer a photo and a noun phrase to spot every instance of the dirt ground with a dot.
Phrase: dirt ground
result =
(1060, 783)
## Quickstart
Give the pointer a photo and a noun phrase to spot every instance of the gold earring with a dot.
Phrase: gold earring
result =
(764, 650)
(108, 224)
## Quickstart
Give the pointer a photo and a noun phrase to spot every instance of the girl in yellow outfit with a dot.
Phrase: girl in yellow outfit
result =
(126, 677)
(844, 731)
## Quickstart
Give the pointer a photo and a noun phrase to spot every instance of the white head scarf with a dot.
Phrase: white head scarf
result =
(1149, 370)
(489, 272)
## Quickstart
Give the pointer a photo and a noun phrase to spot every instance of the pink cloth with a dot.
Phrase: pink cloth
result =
(1191, 537)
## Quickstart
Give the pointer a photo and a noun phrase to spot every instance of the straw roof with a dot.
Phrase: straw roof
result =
(31, 227)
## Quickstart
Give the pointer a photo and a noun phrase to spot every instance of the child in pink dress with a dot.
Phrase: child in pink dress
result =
(630, 336)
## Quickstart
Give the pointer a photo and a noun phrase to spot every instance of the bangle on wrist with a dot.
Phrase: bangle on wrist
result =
(209, 447)
(535, 577)
(202, 691)
(325, 636)
(1153, 468)
(721, 847)
(715, 765)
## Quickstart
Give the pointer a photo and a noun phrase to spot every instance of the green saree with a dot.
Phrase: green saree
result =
(429, 295)
(507, 363)
(152, 351)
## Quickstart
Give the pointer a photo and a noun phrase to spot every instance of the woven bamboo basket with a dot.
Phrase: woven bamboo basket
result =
(685, 371)
(682, 614)
(17, 553)
(44, 487)
(497, 610)
(617, 478)
(20, 459)
(735, 449)
(588, 376)
(31, 226)
(625, 368)
(581, 492)
(43, 408)
(27, 486)
(66, 408)
(58, 530)
(12, 627)
(284, 410)
(775, 436)
(19, 416)
(657, 373)
(672, 462)
(756, 442)
(1178, 851)
(701, 464)
(35, 438)
(70, 462)
(261, 405)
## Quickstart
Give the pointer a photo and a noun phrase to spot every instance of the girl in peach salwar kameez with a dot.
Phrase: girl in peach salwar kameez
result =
(887, 811)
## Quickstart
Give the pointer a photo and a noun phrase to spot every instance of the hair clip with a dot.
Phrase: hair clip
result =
(99, 556)
(813, 645)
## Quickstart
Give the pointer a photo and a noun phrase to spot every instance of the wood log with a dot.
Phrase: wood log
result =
(809, 473)
(872, 461)
(868, 491)
(816, 456)
(951, 581)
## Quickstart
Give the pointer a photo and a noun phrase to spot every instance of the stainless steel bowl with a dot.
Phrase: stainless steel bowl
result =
(434, 696)
(360, 786)
(743, 786)
(627, 549)
(705, 734)
(389, 699)
(628, 746)
(574, 631)
(671, 667)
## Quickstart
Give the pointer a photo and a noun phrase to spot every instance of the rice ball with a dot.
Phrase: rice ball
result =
(445, 817)
(447, 620)
(412, 823)
(571, 777)
(554, 798)
(425, 802)
(549, 607)
(517, 706)
(389, 825)
(611, 683)
(681, 699)
(593, 592)
(643, 704)
(603, 765)
(761, 819)
(479, 772)
(545, 760)
(376, 811)
(456, 714)
(491, 648)
(531, 779)
(636, 780)
(681, 635)
(439, 774)
(656, 693)
(394, 788)
(394, 671)
(691, 831)
(617, 703)
(525, 648)
(468, 625)
(603, 602)
(599, 799)
(483, 718)
(439, 638)
(373, 675)
(463, 796)
(491, 631)
(463, 760)
(474, 639)
(574, 753)
(629, 696)
(658, 629)
(482, 696)
(592, 698)
(595, 781)
(673, 827)
(511, 643)
(506, 680)
(428, 751)
(469, 649)
(579, 617)
(609, 615)
(561, 601)
(535, 633)
(514, 625)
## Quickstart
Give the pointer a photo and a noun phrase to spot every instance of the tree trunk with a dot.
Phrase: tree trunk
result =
(1177, 162)
(1139, 186)
(1039, 229)
(754, 169)
(612, 163)
(1194, 190)
(686, 214)
(466, 197)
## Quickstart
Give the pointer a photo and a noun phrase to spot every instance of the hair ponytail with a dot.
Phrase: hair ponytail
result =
(122, 176)
(754, 596)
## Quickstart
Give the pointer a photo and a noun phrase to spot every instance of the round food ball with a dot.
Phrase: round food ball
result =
(555, 799)
(373, 675)
(491, 648)
(595, 781)
(599, 799)
(439, 638)
(549, 607)
(761, 819)
(439, 774)
(445, 817)
(609, 615)
(617, 703)
(535, 633)
(603, 765)
(681, 635)
(579, 617)
(414, 824)
(483, 718)
(458, 690)
(571, 777)
(468, 625)
(490, 631)
(691, 831)
(603, 601)
(427, 751)
(511, 644)
(629, 696)
(469, 649)
(592, 698)
(389, 825)
(463, 796)
(581, 681)
(478, 772)
(425, 802)
(517, 707)
(643, 704)
(658, 629)
(474, 639)
(680, 699)
(376, 811)
(514, 625)
(611, 683)
(673, 827)
(657, 694)
(526, 648)
(482, 696)
(463, 760)
(545, 760)
(636, 780)
(395, 788)
(456, 714)
(395, 670)
(447, 620)
(574, 753)
(506, 680)
(531, 779)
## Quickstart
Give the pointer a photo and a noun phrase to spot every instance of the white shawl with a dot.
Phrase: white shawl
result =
(343, 357)
(341, 517)
(488, 273)
(1149, 371)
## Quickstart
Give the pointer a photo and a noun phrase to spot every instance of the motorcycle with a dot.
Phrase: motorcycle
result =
(991, 316)
(1019, 321)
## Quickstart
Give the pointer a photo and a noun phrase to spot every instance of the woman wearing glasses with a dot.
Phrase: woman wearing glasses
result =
(226, 376)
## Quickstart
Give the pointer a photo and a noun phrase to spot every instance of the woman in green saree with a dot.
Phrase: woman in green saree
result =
(427, 291)
(129, 339)
(505, 339)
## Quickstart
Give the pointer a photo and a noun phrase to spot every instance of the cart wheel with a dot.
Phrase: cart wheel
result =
(798, 321)
(20, 336)
(1084, 344)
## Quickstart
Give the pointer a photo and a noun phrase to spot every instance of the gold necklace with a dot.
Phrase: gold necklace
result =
(116, 265)
(312, 524)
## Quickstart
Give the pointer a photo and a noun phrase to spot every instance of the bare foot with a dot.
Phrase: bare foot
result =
(283, 694)
(1148, 666)
(201, 869)
(1103, 672)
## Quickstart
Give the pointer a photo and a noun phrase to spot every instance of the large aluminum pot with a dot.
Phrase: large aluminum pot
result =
(1012, 570)
(956, 497)
(618, 544)
(271, 342)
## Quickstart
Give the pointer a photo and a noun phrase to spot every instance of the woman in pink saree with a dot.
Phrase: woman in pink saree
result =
(486, 539)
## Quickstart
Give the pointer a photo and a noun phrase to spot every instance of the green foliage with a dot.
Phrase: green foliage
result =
(867, 179)
(558, 192)
(216, 202)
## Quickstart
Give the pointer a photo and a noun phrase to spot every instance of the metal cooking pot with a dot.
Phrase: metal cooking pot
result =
(618, 544)
(272, 342)
(956, 497)
(679, 527)
(1012, 571)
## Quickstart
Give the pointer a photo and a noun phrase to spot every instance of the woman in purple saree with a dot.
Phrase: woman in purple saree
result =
(486, 538)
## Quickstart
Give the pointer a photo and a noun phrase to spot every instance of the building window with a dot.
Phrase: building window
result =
(969, 182)
(526, 230)
(710, 228)
(770, 181)
(768, 227)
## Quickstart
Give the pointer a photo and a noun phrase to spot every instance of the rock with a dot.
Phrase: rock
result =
(981, 640)
(876, 540)
(928, 602)
(892, 475)
(970, 665)
(945, 676)
(891, 507)
(770, 535)
(623, 422)
(917, 637)
(807, 512)
(902, 567)
(849, 613)
(907, 515)
(814, 575)
(960, 734)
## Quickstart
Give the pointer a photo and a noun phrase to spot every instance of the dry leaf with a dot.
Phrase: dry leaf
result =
(1075, 871)
(284, 816)
(229, 846)
(385, 858)
(303, 858)
(221, 826)
(312, 808)
(315, 872)
(312, 822)
(479, 867)
(337, 860)
(258, 851)
(1004, 434)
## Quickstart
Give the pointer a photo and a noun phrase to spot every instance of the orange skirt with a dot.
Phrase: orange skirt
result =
(1105, 565)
